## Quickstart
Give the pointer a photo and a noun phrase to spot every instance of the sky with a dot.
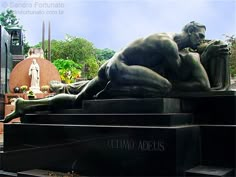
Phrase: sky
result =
(115, 23)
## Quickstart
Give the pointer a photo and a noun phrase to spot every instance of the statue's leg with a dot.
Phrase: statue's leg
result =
(15, 114)
(123, 74)
(113, 90)
(90, 89)
(61, 101)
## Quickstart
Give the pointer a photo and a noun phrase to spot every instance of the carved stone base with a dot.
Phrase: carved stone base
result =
(127, 137)
(102, 150)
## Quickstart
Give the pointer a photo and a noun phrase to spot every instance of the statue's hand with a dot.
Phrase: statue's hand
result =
(56, 86)
(216, 49)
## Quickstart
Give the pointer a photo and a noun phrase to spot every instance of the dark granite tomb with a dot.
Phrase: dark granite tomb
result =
(217, 108)
(128, 137)
(102, 150)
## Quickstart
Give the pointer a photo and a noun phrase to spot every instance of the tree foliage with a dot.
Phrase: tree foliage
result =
(74, 48)
(8, 19)
(68, 70)
(80, 51)
(104, 54)
(90, 68)
(26, 47)
(231, 40)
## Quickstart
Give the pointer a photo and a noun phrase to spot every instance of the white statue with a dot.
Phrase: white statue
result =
(34, 72)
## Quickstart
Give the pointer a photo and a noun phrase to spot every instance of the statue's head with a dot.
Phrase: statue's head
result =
(34, 61)
(193, 26)
(195, 32)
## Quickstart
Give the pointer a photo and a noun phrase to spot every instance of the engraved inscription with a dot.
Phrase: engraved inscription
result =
(140, 145)
(151, 145)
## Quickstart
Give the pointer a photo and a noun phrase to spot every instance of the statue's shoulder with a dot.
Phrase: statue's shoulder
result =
(159, 39)
(161, 36)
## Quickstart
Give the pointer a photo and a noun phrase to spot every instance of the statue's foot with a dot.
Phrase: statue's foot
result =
(19, 106)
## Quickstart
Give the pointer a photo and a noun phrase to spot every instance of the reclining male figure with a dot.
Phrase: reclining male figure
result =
(156, 62)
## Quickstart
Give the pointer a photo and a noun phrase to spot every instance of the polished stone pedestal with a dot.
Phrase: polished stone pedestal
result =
(214, 108)
(102, 150)
(128, 137)
(218, 145)
(128, 119)
(207, 171)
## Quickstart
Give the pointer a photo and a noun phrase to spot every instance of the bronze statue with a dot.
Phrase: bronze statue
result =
(155, 65)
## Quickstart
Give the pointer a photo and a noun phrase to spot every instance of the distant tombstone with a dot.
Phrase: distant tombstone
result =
(20, 74)
(36, 52)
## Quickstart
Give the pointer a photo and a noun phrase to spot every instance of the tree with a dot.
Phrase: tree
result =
(74, 48)
(79, 50)
(231, 40)
(26, 47)
(104, 54)
(56, 47)
(68, 70)
(90, 68)
(8, 19)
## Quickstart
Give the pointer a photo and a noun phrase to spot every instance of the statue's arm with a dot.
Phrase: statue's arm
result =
(194, 74)
(213, 50)
(171, 52)
(214, 58)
